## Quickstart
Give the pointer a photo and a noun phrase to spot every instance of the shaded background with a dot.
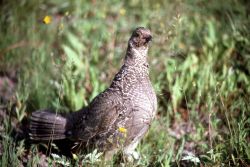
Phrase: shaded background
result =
(199, 61)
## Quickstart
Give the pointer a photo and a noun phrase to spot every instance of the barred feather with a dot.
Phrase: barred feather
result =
(45, 125)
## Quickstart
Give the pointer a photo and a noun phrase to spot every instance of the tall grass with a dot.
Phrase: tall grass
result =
(199, 62)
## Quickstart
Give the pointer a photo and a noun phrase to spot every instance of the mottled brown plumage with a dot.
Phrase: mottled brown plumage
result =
(128, 104)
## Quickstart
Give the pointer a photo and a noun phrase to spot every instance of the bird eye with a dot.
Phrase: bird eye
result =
(136, 35)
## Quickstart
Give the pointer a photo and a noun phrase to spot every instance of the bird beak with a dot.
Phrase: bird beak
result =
(148, 38)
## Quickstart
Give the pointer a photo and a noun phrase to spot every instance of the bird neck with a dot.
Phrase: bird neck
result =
(136, 57)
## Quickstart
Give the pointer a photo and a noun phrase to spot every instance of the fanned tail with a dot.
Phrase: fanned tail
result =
(45, 125)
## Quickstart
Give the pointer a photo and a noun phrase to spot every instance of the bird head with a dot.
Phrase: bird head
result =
(140, 38)
(138, 46)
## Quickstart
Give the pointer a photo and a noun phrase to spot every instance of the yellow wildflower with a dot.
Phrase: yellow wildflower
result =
(122, 11)
(47, 19)
(122, 130)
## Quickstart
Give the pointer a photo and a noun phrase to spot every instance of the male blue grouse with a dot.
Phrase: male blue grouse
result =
(117, 118)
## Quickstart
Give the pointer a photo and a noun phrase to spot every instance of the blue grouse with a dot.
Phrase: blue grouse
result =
(117, 118)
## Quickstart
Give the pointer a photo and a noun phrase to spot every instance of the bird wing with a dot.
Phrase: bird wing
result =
(99, 117)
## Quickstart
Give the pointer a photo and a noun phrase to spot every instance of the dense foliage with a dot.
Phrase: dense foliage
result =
(199, 61)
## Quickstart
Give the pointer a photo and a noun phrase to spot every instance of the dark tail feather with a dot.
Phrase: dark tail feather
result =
(45, 125)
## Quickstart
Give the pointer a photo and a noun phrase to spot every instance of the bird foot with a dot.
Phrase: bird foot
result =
(132, 156)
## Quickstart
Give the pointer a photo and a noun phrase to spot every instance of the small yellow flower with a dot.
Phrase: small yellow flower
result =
(122, 11)
(122, 130)
(47, 19)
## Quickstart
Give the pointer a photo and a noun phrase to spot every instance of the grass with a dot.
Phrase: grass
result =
(199, 62)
